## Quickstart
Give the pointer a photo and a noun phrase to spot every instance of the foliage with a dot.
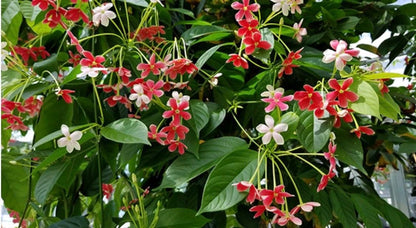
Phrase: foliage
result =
(171, 113)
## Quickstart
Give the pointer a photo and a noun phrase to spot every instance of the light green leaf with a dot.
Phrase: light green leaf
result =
(313, 133)
(72, 76)
(72, 222)
(180, 218)
(366, 210)
(187, 166)
(39, 28)
(141, 3)
(29, 12)
(343, 207)
(219, 192)
(388, 107)
(384, 75)
(349, 149)
(14, 185)
(368, 102)
(47, 181)
(9, 11)
(126, 131)
(292, 120)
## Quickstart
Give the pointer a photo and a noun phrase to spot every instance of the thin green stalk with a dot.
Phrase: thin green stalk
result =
(291, 178)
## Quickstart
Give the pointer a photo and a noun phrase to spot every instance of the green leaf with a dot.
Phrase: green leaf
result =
(198, 31)
(263, 54)
(126, 131)
(29, 12)
(187, 166)
(323, 212)
(14, 185)
(50, 64)
(408, 148)
(384, 75)
(313, 133)
(128, 152)
(408, 9)
(216, 116)
(349, 149)
(180, 218)
(366, 210)
(213, 37)
(200, 115)
(219, 192)
(367, 103)
(183, 11)
(388, 107)
(193, 22)
(292, 120)
(39, 28)
(350, 23)
(47, 181)
(208, 54)
(57, 134)
(368, 47)
(395, 217)
(5, 133)
(73, 222)
(11, 18)
(72, 76)
(141, 3)
(343, 207)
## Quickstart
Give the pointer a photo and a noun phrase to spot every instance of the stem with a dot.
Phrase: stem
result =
(29, 195)
(291, 178)
(98, 101)
(306, 161)
(100, 180)
(245, 132)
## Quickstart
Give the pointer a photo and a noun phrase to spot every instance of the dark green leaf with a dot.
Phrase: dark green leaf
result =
(313, 133)
(323, 212)
(395, 217)
(219, 192)
(408, 9)
(50, 64)
(368, 47)
(180, 218)
(408, 148)
(343, 207)
(183, 11)
(73, 222)
(292, 120)
(14, 185)
(208, 54)
(366, 210)
(47, 181)
(187, 166)
(216, 116)
(126, 131)
(200, 115)
(198, 31)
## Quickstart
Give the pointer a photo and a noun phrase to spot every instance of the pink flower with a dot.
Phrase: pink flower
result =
(180, 66)
(153, 134)
(277, 194)
(245, 9)
(285, 5)
(330, 156)
(277, 100)
(114, 100)
(341, 92)
(324, 181)
(177, 111)
(254, 42)
(153, 67)
(308, 207)
(341, 55)
(344, 114)
(363, 129)
(151, 88)
(237, 61)
(65, 94)
(290, 217)
(176, 145)
(328, 106)
(247, 27)
(270, 130)
(43, 4)
(299, 31)
(287, 64)
(308, 99)
(173, 130)
(253, 194)
(124, 73)
(260, 209)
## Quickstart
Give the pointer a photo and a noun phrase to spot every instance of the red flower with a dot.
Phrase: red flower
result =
(7, 106)
(32, 106)
(238, 61)
(253, 194)
(177, 111)
(345, 114)
(124, 73)
(363, 129)
(74, 14)
(74, 58)
(65, 94)
(40, 51)
(254, 42)
(15, 122)
(150, 32)
(383, 88)
(341, 92)
(43, 4)
(277, 195)
(151, 88)
(330, 156)
(287, 63)
(53, 18)
(308, 99)
(173, 130)
(74, 41)
(25, 53)
(176, 145)
(245, 9)
(153, 134)
(324, 181)
(113, 100)
(328, 106)
(153, 67)
(259, 209)
(180, 66)
(91, 61)
(277, 100)
(247, 27)
(107, 190)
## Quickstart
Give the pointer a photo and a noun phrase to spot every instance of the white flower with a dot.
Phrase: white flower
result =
(69, 140)
(214, 80)
(270, 130)
(102, 14)
(299, 31)
(179, 97)
(285, 5)
(156, 1)
(139, 96)
(4, 53)
(90, 71)
(271, 91)
(341, 55)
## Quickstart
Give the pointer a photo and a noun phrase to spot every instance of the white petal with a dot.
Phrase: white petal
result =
(133, 96)
(345, 56)
(262, 128)
(104, 20)
(76, 135)
(266, 138)
(145, 99)
(62, 142)
(339, 64)
(280, 127)
(65, 130)
(269, 121)
(96, 19)
(107, 5)
(69, 148)
(278, 138)
(76, 146)
(110, 14)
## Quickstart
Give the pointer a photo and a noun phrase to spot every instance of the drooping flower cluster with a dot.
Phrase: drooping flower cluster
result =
(330, 156)
(270, 200)
(287, 64)
(31, 106)
(16, 218)
(33, 53)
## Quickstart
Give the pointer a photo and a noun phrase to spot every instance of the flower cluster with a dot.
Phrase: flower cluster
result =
(270, 199)
(33, 53)
(16, 218)
(31, 106)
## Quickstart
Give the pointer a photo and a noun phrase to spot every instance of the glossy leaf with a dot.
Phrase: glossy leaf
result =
(216, 117)
(47, 181)
(349, 149)
(141, 3)
(187, 166)
(388, 107)
(368, 102)
(208, 54)
(200, 115)
(29, 12)
(292, 120)
(14, 185)
(366, 210)
(369, 48)
(323, 212)
(262, 54)
(198, 31)
(126, 131)
(343, 207)
(180, 218)
(11, 18)
(384, 75)
(73, 222)
(183, 11)
(313, 133)
(219, 192)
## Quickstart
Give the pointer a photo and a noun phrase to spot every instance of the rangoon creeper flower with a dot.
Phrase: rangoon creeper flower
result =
(139, 95)
(90, 71)
(102, 14)
(70, 141)
(270, 130)
(299, 31)
(341, 55)
(285, 5)
(245, 9)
